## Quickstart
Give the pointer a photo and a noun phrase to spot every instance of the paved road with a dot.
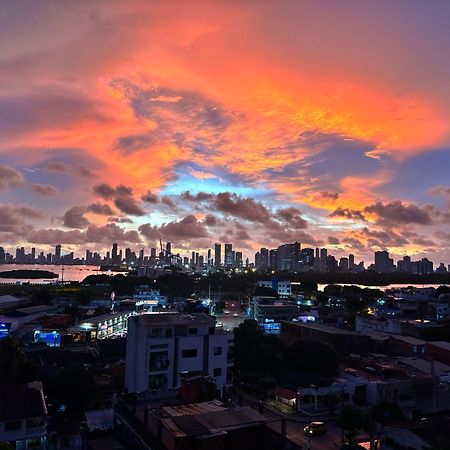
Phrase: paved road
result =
(229, 321)
(294, 428)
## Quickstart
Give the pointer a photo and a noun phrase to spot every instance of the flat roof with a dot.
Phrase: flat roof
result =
(325, 328)
(441, 344)
(197, 419)
(9, 299)
(173, 319)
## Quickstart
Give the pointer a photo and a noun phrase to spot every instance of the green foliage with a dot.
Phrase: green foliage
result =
(351, 419)
(308, 286)
(14, 364)
(73, 388)
(311, 357)
(386, 413)
(255, 351)
(28, 274)
(42, 296)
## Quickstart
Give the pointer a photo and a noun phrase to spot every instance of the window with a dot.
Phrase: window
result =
(217, 351)
(189, 353)
(217, 372)
(34, 443)
(35, 422)
(13, 425)
(156, 332)
(192, 331)
(169, 332)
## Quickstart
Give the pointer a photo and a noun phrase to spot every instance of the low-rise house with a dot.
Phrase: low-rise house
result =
(23, 414)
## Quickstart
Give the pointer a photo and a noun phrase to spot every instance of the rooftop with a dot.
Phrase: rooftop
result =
(197, 419)
(172, 319)
(325, 328)
(441, 344)
(21, 401)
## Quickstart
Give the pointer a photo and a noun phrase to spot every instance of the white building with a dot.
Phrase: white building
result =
(22, 416)
(281, 287)
(162, 345)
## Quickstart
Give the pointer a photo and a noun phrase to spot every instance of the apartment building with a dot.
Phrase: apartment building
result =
(160, 346)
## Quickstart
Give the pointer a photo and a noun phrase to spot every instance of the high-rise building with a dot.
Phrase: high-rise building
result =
(238, 259)
(351, 261)
(273, 257)
(114, 253)
(264, 258)
(217, 255)
(229, 255)
(168, 248)
(58, 254)
(288, 256)
(383, 264)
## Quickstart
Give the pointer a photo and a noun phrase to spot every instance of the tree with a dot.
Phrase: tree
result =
(256, 351)
(351, 419)
(14, 364)
(73, 388)
(330, 400)
(386, 413)
(311, 357)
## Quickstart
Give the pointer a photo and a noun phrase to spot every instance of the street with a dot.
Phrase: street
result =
(229, 321)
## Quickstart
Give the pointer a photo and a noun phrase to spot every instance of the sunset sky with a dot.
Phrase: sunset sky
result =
(256, 122)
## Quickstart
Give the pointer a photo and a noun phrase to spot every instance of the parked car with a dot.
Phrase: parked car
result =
(315, 429)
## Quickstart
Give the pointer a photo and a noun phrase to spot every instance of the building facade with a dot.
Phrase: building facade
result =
(160, 346)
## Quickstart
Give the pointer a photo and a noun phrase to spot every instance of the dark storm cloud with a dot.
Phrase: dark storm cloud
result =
(93, 234)
(245, 208)
(292, 217)
(12, 218)
(74, 217)
(198, 197)
(128, 205)
(185, 229)
(395, 212)
(45, 190)
(348, 214)
(149, 197)
(333, 240)
(398, 212)
(122, 196)
(10, 177)
(102, 209)
(63, 167)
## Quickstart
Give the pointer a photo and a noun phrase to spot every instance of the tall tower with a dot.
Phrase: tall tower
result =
(217, 255)
(58, 254)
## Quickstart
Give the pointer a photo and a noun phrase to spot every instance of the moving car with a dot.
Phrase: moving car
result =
(225, 311)
(315, 429)
(235, 315)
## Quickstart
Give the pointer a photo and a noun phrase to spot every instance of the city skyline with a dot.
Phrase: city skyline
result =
(255, 123)
(291, 257)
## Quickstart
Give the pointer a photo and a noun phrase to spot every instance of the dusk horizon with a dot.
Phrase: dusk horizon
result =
(251, 123)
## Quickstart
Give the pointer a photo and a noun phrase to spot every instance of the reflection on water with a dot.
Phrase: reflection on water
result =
(66, 273)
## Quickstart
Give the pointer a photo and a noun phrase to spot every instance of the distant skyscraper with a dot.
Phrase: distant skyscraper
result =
(58, 253)
(351, 261)
(264, 258)
(229, 255)
(169, 248)
(217, 254)
(383, 264)
(238, 259)
(114, 253)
